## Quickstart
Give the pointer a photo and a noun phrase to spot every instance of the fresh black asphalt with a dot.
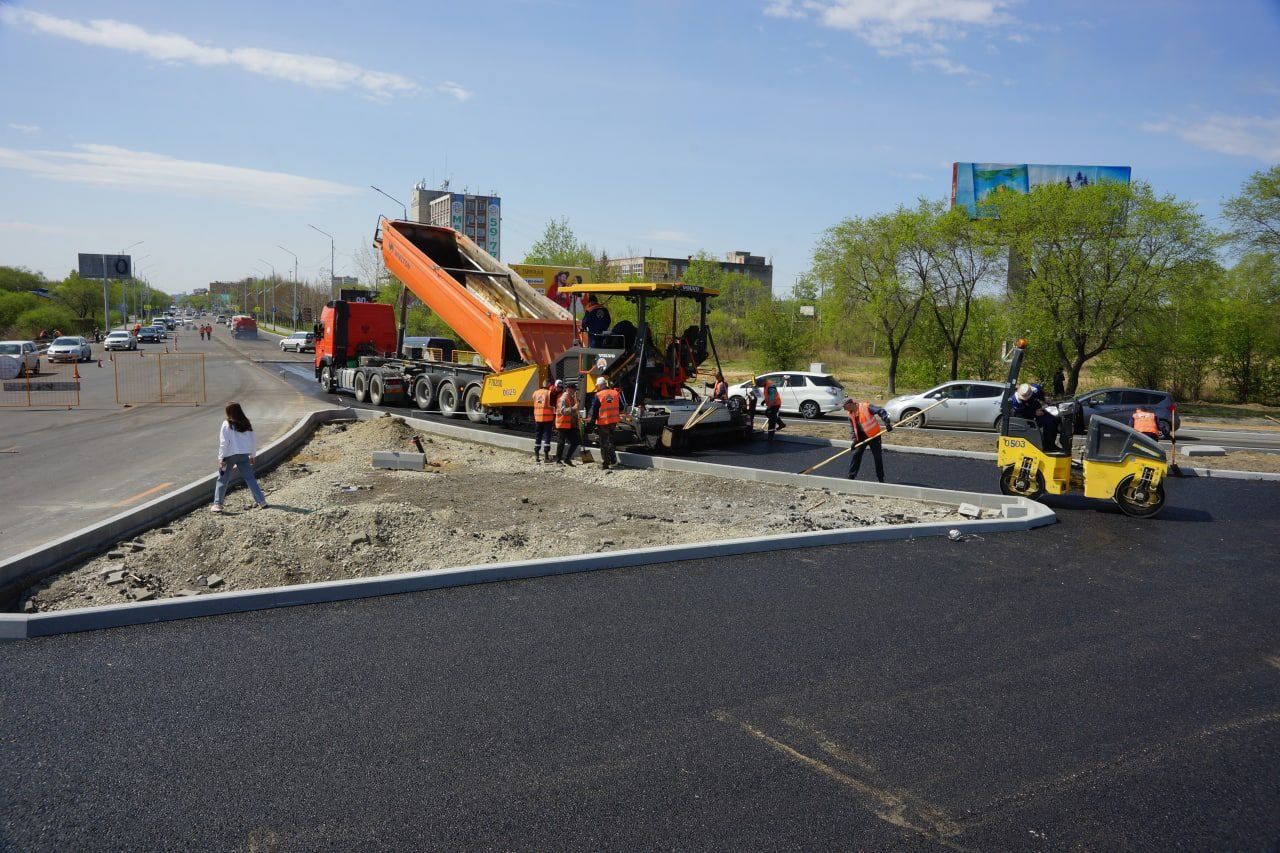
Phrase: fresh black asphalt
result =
(1103, 683)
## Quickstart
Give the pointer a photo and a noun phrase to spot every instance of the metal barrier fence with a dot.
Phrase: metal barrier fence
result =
(55, 385)
(159, 377)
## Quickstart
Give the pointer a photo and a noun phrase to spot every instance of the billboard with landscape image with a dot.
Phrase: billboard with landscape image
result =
(972, 184)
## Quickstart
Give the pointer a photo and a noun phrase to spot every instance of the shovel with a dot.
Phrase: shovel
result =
(854, 447)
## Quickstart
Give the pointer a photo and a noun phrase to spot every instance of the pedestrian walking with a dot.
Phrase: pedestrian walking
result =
(236, 450)
(543, 422)
(773, 407)
(606, 412)
(567, 437)
(863, 427)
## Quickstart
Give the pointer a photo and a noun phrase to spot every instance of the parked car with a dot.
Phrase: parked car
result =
(299, 342)
(120, 339)
(1119, 404)
(811, 395)
(19, 358)
(971, 405)
(151, 334)
(69, 349)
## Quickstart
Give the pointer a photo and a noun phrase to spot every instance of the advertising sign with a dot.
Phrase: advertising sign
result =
(656, 269)
(549, 280)
(456, 211)
(105, 266)
(973, 183)
(495, 226)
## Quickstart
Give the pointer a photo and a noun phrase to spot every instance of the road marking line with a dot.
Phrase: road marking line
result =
(894, 805)
(141, 495)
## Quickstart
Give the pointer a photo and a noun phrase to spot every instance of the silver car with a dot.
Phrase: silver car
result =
(120, 340)
(69, 349)
(970, 405)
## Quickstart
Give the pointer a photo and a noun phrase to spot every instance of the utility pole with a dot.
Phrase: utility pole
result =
(264, 288)
(330, 236)
(293, 322)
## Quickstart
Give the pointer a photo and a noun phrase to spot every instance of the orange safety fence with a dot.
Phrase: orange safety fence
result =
(159, 377)
(54, 385)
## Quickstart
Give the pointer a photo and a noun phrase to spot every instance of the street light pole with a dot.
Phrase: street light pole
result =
(293, 323)
(330, 236)
(393, 198)
(264, 287)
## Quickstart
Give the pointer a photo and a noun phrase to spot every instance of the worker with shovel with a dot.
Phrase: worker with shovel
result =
(865, 431)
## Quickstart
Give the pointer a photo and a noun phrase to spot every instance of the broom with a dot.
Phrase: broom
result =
(854, 447)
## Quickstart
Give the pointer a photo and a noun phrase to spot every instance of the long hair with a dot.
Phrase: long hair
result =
(238, 419)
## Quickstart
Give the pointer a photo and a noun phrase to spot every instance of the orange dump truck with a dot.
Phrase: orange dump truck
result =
(518, 339)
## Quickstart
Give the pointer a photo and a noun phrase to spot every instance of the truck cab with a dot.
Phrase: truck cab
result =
(349, 330)
(243, 326)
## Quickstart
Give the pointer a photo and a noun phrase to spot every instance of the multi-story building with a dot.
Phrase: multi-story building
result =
(477, 216)
(650, 268)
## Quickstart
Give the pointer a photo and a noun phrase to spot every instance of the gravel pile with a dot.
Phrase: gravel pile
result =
(334, 516)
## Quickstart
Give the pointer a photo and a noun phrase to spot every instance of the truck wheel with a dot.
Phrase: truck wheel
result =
(423, 394)
(447, 395)
(475, 410)
(377, 389)
(360, 385)
(326, 379)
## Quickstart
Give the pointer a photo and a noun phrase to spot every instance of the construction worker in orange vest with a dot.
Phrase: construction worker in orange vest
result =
(566, 425)
(720, 390)
(543, 422)
(1145, 422)
(606, 411)
(863, 427)
(773, 407)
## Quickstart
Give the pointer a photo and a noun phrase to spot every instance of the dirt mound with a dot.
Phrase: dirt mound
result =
(334, 516)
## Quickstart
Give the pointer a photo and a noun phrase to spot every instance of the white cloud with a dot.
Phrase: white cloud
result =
(320, 72)
(28, 129)
(946, 66)
(918, 28)
(130, 171)
(455, 90)
(914, 176)
(36, 228)
(1242, 136)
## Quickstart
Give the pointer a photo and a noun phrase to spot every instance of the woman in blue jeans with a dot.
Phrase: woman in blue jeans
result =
(236, 449)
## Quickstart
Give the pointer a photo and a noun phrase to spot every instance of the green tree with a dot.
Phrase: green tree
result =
(18, 279)
(780, 337)
(1255, 213)
(863, 264)
(1096, 259)
(12, 306)
(964, 258)
(558, 246)
(1249, 360)
(82, 296)
(45, 316)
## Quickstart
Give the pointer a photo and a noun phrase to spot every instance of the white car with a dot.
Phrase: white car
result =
(811, 395)
(972, 405)
(299, 342)
(19, 358)
(69, 349)
(120, 339)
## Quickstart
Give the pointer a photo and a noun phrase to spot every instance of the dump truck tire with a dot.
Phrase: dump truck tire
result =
(360, 385)
(447, 396)
(377, 389)
(424, 396)
(475, 410)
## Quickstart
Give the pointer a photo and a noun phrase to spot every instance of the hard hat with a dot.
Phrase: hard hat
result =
(602, 382)
(1023, 392)
(559, 383)
(849, 401)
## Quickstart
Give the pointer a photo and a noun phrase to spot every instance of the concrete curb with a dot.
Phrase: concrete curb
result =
(22, 570)
(1015, 514)
(1219, 473)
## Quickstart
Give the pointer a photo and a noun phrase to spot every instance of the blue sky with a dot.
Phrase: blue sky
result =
(215, 132)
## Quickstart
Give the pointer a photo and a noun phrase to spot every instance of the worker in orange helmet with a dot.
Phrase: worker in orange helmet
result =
(1145, 422)
(865, 430)
(543, 422)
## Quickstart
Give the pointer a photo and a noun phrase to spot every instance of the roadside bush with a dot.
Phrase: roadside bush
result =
(12, 306)
(47, 317)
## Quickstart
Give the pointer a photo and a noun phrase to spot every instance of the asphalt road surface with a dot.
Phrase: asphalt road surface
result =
(1104, 683)
(74, 467)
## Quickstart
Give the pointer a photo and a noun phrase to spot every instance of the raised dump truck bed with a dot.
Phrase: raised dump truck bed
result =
(496, 312)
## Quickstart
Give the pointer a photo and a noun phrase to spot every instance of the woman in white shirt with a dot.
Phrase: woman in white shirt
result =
(236, 449)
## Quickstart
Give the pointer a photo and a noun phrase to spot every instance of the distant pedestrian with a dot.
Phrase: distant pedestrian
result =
(236, 449)
(1059, 384)
(567, 437)
(864, 429)
(544, 417)
(606, 412)
(720, 390)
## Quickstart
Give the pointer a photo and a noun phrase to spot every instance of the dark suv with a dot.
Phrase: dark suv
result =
(1119, 404)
